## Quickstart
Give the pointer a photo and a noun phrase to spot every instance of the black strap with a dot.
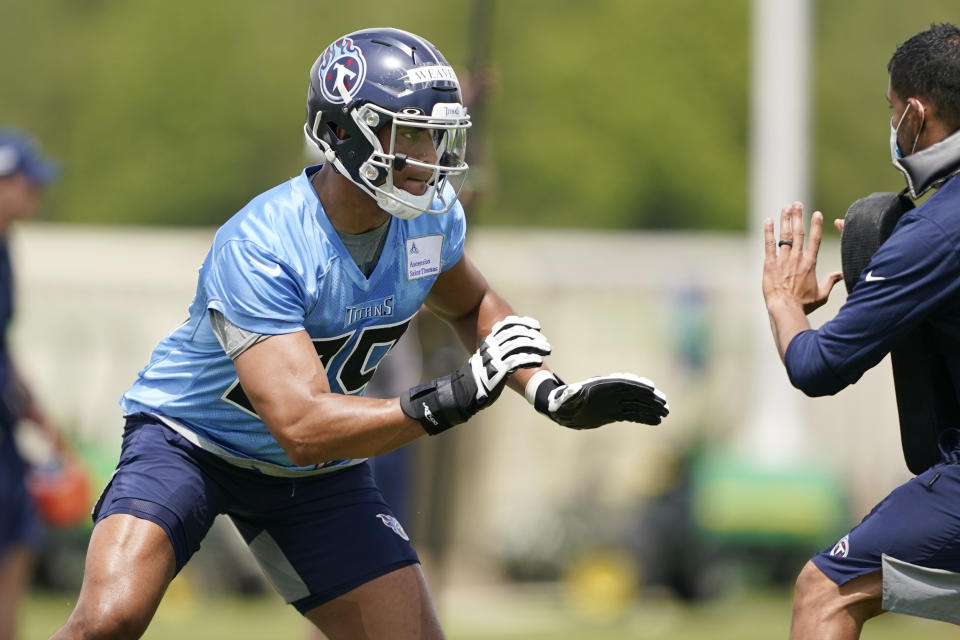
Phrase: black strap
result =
(866, 225)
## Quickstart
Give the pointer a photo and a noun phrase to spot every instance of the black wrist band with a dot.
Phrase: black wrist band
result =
(541, 400)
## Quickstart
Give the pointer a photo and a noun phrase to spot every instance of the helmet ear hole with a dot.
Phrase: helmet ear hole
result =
(340, 132)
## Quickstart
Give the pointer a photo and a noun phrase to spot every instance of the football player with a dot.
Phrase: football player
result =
(254, 406)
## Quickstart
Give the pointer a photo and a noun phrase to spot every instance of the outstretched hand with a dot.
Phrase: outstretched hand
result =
(789, 269)
(597, 401)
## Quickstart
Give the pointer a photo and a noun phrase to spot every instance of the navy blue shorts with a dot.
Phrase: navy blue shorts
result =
(316, 537)
(19, 521)
(919, 523)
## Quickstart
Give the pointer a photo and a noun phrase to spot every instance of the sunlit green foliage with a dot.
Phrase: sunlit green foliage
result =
(615, 113)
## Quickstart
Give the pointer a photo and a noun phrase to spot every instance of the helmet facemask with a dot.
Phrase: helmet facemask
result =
(447, 126)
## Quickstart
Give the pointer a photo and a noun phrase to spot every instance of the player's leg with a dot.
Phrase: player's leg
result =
(130, 561)
(16, 562)
(842, 586)
(332, 548)
(396, 605)
(151, 517)
(823, 610)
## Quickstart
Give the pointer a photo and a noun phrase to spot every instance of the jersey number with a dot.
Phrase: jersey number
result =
(354, 374)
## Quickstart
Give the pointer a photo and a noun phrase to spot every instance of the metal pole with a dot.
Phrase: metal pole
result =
(779, 174)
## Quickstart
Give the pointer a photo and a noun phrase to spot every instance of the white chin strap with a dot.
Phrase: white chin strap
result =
(396, 207)
(404, 204)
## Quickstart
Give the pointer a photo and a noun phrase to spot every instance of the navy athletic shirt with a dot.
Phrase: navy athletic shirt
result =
(913, 276)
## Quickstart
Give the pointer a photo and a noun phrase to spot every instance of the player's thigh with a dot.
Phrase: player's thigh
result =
(319, 538)
(150, 518)
(130, 561)
(396, 605)
(164, 479)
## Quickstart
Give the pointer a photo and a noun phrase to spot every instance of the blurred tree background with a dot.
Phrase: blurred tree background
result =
(612, 113)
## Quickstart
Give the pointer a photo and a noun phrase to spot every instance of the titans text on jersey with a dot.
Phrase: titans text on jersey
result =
(375, 309)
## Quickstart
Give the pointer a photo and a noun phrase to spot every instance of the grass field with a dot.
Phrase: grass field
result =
(491, 614)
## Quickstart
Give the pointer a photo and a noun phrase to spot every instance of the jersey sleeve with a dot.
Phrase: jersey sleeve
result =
(912, 274)
(456, 234)
(232, 338)
(254, 290)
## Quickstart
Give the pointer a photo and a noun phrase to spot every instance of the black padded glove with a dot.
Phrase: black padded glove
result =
(597, 401)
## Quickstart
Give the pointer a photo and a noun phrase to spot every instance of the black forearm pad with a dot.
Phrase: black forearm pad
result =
(434, 404)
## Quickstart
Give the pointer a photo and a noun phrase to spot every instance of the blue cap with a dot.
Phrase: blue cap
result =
(19, 154)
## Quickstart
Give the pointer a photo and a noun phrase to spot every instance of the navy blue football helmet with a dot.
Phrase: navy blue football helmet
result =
(376, 78)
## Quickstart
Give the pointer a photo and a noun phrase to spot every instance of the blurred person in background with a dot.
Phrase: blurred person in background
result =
(24, 175)
(905, 554)
(253, 407)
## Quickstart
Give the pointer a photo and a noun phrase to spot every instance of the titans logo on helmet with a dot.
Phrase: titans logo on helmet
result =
(342, 71)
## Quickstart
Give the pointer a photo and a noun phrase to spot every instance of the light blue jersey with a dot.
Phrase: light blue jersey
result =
(276, 267)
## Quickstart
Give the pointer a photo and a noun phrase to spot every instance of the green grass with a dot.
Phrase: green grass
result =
(182, 617)
(489, 614)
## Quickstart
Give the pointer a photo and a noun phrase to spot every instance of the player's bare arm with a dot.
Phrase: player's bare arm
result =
(462, 297)
(287, 385)
(790, 286)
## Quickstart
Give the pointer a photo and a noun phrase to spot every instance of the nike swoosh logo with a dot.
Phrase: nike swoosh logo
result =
(274, 271)
(871, 278)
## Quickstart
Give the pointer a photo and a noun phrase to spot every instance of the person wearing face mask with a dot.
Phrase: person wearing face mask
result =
(905, 555)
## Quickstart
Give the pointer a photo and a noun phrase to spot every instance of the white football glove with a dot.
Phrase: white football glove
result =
(514, 343)
(597, 401)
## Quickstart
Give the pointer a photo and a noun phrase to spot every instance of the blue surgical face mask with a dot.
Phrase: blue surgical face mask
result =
(895, 152)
